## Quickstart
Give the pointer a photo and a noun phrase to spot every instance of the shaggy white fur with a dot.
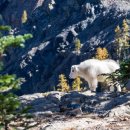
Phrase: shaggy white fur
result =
(91, 69)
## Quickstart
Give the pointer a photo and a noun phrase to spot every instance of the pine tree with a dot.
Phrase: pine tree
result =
(24, 16)
(101, 53)
(124, 71)
(122, 75)
(63, 86)
(9, 102)
(76, 85)
(77, 46)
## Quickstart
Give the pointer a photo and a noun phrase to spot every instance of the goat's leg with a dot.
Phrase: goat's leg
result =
(93, 84)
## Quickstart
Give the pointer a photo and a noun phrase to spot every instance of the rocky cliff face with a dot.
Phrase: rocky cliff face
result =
(55, 24)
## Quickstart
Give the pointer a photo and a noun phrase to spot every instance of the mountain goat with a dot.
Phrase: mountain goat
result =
(91, 70)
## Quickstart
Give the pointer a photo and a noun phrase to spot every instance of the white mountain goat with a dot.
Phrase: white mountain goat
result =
(91, 70)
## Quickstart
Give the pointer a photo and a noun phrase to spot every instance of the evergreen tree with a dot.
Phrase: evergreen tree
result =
(101, 53)
(76, 85)
(63, 86)
(123, 74)
(9, 102)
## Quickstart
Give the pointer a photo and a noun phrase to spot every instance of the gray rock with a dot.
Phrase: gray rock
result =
(43, 114)
(120, 111)
(102, 104)
(96, 111)
(74, 112)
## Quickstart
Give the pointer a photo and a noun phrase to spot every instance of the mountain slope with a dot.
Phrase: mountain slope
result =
(55, 25)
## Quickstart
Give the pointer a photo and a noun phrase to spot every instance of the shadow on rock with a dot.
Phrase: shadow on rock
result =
(77, 103)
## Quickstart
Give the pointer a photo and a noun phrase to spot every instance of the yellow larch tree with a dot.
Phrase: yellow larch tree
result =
(76, 85)
(125, 33)
(24, 16)
(102, 53)
(122, 40)
(77, 44)
(63, 86)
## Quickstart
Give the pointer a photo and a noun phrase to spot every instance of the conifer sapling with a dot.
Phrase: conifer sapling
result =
(9, 102)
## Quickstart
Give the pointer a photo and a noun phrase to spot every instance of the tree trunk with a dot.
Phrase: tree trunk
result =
(6, 126)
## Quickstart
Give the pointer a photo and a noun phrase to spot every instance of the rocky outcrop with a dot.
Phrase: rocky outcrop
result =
(102, 104)
(84, 110)
(55, 24)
